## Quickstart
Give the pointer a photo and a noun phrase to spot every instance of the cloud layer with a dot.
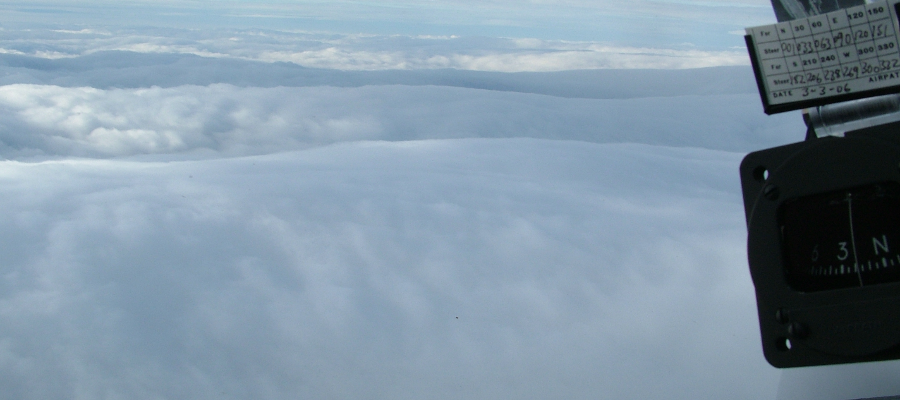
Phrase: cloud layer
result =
(118, 69)
(476, 268)
(232, 201)
(199, 121)
(367, 52)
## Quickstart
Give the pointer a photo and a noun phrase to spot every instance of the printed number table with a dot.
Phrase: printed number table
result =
(842, 55)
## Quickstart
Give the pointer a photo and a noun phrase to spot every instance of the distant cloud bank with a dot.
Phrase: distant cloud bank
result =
(369, 52)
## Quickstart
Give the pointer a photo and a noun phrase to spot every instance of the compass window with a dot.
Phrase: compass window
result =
(842, 239)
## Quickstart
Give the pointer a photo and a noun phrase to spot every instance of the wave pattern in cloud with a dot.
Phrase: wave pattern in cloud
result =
(227, 120)
(478, 269)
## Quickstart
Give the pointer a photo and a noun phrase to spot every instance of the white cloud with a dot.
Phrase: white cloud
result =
(377, 52)
(341, 271)
(384, 241)
(83, 31)
(229, 120)
(370, 241)
(157, 48)
(547, 59)
(8, 51)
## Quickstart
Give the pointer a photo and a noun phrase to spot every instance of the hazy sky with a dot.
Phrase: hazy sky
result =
(708, 25)
(500, 36)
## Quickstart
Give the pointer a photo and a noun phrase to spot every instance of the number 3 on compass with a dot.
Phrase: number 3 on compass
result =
(847, 235)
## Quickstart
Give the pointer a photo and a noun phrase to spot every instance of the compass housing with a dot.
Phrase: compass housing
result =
(823, 220)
